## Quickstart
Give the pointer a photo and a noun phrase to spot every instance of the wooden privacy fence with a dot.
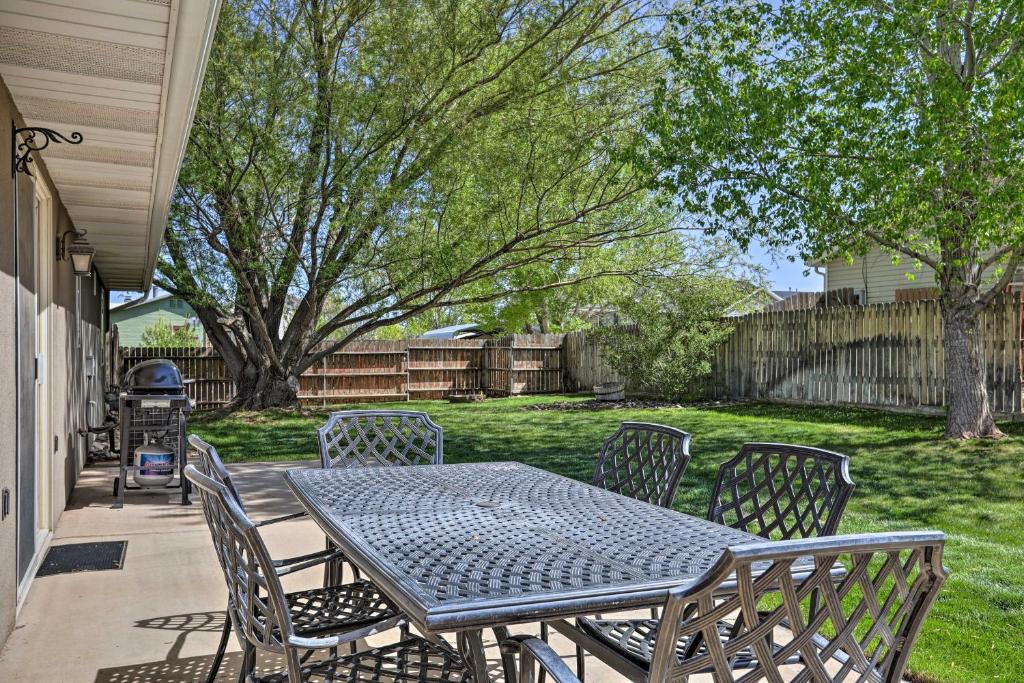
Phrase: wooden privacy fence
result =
(586, 364)
(887, 355)
(373, 371)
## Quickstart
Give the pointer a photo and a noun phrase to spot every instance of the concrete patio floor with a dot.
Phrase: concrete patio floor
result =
(159, 618)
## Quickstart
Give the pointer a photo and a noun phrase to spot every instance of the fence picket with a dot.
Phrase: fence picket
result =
(881, 355)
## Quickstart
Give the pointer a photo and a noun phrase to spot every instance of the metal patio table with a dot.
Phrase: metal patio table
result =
(465, 547)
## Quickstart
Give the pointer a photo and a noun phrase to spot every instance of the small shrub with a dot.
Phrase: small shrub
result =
(667, 350)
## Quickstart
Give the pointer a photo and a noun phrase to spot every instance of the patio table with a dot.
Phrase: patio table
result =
(470, 546)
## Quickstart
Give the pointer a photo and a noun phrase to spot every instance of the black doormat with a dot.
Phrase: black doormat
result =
(83, 557)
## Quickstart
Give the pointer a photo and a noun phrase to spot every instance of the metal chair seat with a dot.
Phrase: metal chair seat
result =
(635, 639)
(321, 611)
(413, 660)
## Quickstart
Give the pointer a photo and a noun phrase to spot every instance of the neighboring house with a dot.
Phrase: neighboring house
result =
(875, 279)
(133, 317)
(599, 315)
(119, 81)
(764, 299)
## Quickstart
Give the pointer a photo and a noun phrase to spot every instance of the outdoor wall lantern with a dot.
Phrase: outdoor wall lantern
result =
(79, 251)
(21, 152)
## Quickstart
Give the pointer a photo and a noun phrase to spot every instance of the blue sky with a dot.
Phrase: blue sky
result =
(782, 273)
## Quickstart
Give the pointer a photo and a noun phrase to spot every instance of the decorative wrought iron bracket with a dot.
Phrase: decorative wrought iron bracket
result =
(21, 152)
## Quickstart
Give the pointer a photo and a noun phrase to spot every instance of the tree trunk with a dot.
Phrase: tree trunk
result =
(258, 387)
(969, 415)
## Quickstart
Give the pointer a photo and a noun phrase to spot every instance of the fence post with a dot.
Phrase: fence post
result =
(408, 373)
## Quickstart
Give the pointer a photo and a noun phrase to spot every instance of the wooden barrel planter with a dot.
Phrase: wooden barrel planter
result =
(610, 391)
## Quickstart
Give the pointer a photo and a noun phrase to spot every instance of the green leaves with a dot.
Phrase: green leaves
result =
(674, 323)
(839, 124)
(359, 164)
(162, 334)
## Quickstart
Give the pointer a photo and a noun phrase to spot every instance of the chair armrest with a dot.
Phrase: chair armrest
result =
(283, 518)
(530, 648)
(348, 636)
(290, 565)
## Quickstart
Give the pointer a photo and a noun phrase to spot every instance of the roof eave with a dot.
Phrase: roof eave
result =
(191, 38)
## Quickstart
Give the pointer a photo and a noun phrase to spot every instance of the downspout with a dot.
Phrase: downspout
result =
(132, 302)
(824, 282)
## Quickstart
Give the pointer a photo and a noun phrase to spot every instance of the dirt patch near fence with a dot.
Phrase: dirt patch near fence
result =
(627, 404)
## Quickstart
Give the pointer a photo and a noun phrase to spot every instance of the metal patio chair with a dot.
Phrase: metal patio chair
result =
(294, 625)
(643, 461)
(770, 626)
(776, 491)
(210, 464)
(780, 491)
(380, 438)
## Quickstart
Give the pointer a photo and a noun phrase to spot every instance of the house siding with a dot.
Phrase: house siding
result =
(77, 313)
(875, 277)
(132, 322)
(8, 414)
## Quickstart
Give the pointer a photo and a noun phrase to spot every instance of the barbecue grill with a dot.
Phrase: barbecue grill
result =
(152, 410)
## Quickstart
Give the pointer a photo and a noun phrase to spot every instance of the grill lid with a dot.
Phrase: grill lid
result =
(157, 375)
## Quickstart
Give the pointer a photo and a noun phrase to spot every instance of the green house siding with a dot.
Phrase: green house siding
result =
(132, 321)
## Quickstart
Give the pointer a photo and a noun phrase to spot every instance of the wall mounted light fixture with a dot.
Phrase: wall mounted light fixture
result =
(79, 252)
(21, 152)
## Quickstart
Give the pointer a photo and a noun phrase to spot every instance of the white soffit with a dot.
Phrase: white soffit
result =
(126, 74)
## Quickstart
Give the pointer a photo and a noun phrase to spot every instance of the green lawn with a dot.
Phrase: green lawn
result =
(907, 478)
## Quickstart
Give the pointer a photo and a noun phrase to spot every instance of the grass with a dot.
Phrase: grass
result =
(907, 477)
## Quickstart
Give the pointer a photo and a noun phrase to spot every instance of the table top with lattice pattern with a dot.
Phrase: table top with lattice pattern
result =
(484, 544)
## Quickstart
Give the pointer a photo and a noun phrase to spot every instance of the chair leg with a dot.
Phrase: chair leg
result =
(508, 660)
(221, 647)
(248, 667)
(543, 676)
(580, 664)
(329, 578)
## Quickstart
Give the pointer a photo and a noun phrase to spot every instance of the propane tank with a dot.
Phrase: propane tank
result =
(154, 464)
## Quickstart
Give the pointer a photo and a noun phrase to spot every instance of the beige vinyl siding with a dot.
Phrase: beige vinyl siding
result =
(875, 277)
(75, 334)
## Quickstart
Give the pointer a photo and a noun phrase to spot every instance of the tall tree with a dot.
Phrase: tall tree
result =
(387, 158)
(163, 334)
(841, 125)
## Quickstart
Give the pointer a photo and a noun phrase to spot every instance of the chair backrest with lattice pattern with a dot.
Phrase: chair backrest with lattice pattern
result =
(643, 461)
(781, 491)
(380, 438)
(210, 464)
(788, 616)
(257, 601)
